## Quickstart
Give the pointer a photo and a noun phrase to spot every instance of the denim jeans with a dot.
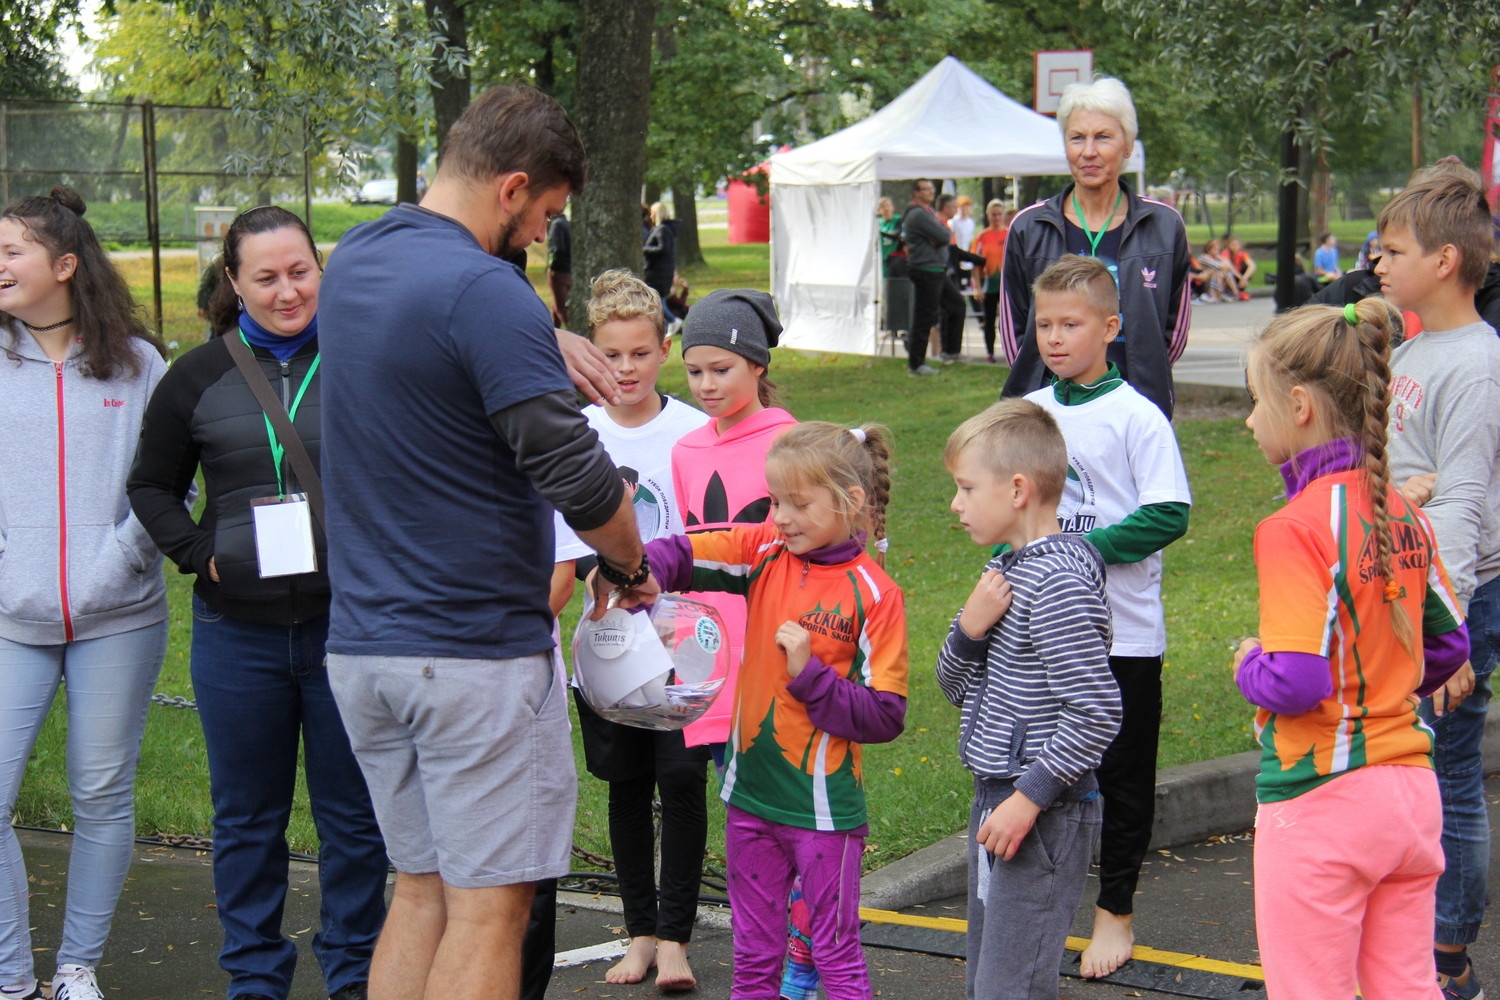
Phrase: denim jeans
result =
(109, 682)
(1462, 888)
(259, 688)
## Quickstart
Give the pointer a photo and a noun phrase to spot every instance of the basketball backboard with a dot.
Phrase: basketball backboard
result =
(1055, 70)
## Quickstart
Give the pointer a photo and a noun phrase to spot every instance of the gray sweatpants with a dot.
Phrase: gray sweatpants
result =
(1032, 897)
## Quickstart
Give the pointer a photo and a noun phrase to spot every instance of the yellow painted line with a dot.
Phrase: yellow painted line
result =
(1176, 959)
(909, 920)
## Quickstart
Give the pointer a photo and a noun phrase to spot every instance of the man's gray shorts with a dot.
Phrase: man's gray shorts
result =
(469, 763)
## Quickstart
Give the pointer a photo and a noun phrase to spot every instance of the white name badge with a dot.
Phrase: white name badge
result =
(283, 535)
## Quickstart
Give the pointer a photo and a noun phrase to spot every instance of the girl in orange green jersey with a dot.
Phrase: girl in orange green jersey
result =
(824, 671)
(1357, 621)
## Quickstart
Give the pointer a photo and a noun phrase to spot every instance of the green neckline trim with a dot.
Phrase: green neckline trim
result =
(1072, 394)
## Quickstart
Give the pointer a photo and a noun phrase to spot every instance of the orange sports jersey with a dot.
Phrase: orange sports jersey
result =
(780, 766)
(1320, 593)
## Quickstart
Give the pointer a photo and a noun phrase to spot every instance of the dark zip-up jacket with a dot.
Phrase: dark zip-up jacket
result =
(927, 239)
(203, 414)
(1155, 293)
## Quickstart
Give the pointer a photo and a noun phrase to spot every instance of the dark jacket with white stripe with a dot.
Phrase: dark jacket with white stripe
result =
(1040, 705)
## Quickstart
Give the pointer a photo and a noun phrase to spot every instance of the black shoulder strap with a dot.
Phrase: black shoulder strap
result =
(286, 433)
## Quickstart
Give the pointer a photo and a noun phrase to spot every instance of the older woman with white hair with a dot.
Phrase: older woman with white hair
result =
(1143, 241)
(1145, 246)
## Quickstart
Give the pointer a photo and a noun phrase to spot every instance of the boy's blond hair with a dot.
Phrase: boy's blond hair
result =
(1444, 204)
(1015, 436)
(619, 295)
(1073, 274)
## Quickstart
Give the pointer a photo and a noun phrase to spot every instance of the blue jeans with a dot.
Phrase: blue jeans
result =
(1461, 892)
(260, 687)
(109, 682)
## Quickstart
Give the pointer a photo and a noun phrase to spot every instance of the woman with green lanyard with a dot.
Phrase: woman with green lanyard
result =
(1143, 242)
(260, 610)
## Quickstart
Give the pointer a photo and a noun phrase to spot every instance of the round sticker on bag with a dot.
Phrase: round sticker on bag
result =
(707, 634)
(610, 636)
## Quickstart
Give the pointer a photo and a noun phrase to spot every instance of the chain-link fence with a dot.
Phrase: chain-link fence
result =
(153, 175)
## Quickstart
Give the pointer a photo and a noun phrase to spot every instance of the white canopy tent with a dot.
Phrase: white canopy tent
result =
(825, 258)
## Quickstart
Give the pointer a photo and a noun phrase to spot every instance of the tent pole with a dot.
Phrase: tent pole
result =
(879, 291)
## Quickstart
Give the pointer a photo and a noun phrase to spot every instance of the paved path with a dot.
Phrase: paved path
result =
(1193, 901)
(1215, 355)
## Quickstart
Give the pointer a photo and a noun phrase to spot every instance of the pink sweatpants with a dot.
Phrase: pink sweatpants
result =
(763, 859)
(1345, 883)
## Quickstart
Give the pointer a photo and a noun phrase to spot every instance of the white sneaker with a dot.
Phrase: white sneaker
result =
(75, 982)
(22, 991)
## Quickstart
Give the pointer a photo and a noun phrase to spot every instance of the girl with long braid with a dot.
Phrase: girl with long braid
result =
(1357, 620)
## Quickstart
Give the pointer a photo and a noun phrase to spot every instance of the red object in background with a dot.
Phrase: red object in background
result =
(1412, 322)
(749, 213)
(749, 210)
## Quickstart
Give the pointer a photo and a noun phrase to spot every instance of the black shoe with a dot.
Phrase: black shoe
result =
(249, 996)
(354, 991)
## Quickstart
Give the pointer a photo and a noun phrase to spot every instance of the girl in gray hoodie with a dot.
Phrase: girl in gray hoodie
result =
(82, 599)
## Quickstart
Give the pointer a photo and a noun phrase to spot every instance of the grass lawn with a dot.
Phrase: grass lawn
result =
(918, 791)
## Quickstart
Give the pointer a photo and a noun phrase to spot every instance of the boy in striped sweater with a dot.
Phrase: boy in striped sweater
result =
(1027, 659)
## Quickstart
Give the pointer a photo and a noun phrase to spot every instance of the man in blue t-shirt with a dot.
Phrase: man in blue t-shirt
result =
(450, 432)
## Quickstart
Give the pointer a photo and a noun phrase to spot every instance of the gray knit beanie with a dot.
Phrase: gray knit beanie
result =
(740, 320)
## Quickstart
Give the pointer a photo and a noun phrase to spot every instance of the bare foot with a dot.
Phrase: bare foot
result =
(638, 960)
(673, 973)
(1110, 947)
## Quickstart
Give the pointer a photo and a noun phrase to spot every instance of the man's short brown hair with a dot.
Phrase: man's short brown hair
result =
(1444, 204)
(1074, 274)
(1015, 436)
(510, 129)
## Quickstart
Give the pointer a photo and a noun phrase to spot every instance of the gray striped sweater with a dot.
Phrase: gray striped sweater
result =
(1039, 702)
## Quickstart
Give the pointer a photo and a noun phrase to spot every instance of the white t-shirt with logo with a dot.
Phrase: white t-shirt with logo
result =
(1122, 455)
(644, 455)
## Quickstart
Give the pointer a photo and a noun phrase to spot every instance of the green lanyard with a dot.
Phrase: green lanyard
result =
(277, 448)
(1094, 238)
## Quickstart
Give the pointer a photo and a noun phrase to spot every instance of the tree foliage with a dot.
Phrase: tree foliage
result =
(30, 32)
(1328, 68)
(299, 72)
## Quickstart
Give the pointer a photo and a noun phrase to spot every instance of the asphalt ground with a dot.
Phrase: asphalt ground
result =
(1194, 927)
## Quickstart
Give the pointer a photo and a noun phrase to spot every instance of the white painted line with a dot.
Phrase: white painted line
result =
(593, 953)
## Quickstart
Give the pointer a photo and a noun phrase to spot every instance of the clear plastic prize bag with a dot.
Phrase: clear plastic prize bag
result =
(656, 667)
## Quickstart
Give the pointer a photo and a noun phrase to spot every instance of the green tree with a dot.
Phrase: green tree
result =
(1329, 74)
(30, 32)
(309, 73)
(703, 120)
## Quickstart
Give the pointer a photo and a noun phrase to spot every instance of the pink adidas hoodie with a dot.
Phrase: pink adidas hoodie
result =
(720, 479)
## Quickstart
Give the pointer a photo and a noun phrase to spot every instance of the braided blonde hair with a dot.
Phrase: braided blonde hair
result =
(817, 453)
(1347, 365)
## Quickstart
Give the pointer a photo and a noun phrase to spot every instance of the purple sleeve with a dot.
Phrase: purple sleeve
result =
(1445, 654)
(845, 709)
(1284, 682)
(671, 560)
